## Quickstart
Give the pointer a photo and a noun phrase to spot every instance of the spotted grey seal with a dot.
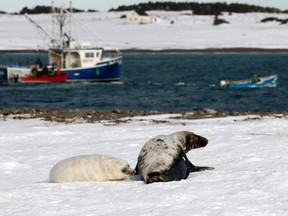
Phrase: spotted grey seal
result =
(163, 158)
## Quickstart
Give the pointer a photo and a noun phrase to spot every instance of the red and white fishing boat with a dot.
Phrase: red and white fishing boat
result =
(80, 61)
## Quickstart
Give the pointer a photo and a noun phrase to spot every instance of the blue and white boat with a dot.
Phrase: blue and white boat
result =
(80, 61)
(260, 82)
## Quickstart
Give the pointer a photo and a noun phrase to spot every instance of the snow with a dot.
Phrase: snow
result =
(249, 154)
(188, 31)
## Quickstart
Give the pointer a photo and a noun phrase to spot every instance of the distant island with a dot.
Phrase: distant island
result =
(197, 8)
(44, 10)
(200, 8)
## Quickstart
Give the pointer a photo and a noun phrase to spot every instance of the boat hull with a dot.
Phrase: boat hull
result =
(102, 72)
(44, 79)
(267, 81)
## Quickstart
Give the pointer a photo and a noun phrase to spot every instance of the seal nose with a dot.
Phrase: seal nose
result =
(132, 171)
(204, 141)
(199, 141)
(128, 171)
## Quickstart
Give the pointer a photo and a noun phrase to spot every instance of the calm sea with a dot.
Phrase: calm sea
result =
(161, 81)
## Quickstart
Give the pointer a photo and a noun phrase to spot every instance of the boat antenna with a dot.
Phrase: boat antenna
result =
(53, 16)
(71, 11)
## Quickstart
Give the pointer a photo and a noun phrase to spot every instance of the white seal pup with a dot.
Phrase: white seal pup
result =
(90, 168)
(163, 158)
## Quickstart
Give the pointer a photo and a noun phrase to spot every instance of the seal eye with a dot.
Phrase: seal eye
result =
(124, 170)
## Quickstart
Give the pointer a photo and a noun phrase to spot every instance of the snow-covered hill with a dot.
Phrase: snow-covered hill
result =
(186, 32)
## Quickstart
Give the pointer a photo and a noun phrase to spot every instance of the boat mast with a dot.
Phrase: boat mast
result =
(70, 21)
(68, 44)
(52, 14)
(60, 17)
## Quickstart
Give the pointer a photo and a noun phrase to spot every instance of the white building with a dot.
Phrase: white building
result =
(156, 19)
(138, 17)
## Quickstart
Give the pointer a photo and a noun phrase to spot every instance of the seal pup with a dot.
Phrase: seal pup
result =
(163, 158)
(90, 168)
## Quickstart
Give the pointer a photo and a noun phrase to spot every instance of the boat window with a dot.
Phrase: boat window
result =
(97, 54)
(72, 60)
(89, 55)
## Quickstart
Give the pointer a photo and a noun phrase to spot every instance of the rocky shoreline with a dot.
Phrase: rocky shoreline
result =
(116, 116)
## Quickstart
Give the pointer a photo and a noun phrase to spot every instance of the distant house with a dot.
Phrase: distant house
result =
(138, 17)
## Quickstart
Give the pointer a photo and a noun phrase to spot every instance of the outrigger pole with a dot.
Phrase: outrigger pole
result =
(38, 26)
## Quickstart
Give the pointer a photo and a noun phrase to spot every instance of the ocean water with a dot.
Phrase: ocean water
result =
(161, 81)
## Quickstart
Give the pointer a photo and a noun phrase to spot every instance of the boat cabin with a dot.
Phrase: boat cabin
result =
(75, 58)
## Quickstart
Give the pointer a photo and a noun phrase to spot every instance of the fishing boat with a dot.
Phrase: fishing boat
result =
(260, 82)
(77, 61)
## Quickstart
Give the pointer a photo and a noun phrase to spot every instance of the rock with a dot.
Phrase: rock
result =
(209, 111)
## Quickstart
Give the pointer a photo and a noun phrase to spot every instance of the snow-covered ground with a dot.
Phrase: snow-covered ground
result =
(249, 155)
(187, 32)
